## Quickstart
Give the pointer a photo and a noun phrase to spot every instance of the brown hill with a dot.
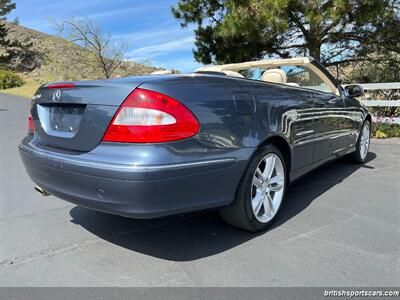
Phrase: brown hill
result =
(52, 58)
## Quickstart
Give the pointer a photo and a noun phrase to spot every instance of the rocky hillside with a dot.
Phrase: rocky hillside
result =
(52, 58)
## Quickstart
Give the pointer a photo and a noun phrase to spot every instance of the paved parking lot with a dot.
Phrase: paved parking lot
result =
(340, 226)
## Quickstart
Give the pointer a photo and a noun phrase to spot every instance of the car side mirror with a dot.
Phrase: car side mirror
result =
(354, 90)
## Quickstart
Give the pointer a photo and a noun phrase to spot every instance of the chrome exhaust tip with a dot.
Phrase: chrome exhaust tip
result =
(41, 191)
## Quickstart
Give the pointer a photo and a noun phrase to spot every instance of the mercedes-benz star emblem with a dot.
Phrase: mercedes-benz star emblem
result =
(57, 95)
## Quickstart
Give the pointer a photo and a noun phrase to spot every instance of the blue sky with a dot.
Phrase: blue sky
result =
(154, 36)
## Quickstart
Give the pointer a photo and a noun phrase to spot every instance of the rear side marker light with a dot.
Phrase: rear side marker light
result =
(151, 117)
(31, 126)
(61, 86)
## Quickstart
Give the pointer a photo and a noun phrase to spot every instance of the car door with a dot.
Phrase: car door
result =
(330, 119)
(298, 124)
(354, 119)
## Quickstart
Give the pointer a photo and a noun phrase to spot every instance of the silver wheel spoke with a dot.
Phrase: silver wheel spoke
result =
(269, 167)
(257, 202)
(366, 133)
(268, 206)
(260, 174)
(257, 182)
(276, 183)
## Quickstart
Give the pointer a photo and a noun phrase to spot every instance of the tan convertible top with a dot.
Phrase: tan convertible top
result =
(271, 63)
(298, 61)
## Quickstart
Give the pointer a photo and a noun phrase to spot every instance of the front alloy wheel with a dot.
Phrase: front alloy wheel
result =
(363, 143)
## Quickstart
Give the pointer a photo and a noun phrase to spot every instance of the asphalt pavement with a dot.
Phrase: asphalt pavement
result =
(340, 226)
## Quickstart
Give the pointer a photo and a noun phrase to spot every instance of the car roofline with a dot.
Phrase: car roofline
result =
(300, 61)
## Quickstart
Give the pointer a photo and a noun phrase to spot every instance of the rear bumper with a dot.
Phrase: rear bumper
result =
(105, 180)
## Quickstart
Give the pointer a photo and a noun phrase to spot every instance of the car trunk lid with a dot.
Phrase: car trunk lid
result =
(76, 115)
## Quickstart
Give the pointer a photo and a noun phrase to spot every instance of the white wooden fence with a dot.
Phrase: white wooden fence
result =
(382, 103)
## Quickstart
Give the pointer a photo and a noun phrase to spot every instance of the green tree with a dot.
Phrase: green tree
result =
(335, 32)
(13, 54)
(6, 6)
(16, 21)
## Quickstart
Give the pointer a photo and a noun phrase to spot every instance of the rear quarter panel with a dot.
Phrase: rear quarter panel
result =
(211, 100)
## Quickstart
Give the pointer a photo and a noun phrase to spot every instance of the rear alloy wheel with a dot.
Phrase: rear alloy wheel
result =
(260, 192)
(362, 147)
(267, 188)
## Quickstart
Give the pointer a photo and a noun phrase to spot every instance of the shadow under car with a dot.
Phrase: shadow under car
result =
(193, 236)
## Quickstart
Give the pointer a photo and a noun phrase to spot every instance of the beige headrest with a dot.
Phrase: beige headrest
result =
(275, 76)
(162, 72)
(233, 73)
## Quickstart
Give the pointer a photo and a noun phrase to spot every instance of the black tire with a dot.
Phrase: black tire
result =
(357, 156)
(240, 213)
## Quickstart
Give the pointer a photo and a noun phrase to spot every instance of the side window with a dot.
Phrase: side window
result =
(306, 78)
(299, 76)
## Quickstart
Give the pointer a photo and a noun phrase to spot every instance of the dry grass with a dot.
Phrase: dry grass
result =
(61, 60)
(27, 90)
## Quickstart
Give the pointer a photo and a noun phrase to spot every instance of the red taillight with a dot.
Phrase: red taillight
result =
(151, 117)
(31, 126)
(61, 86)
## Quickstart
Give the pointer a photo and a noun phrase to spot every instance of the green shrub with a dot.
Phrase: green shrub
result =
(9, 79)
(385, 130)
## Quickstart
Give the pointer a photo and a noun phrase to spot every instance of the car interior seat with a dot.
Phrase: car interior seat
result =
(275, 76)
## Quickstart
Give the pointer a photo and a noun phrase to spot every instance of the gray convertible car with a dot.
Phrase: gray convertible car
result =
(230, 137)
